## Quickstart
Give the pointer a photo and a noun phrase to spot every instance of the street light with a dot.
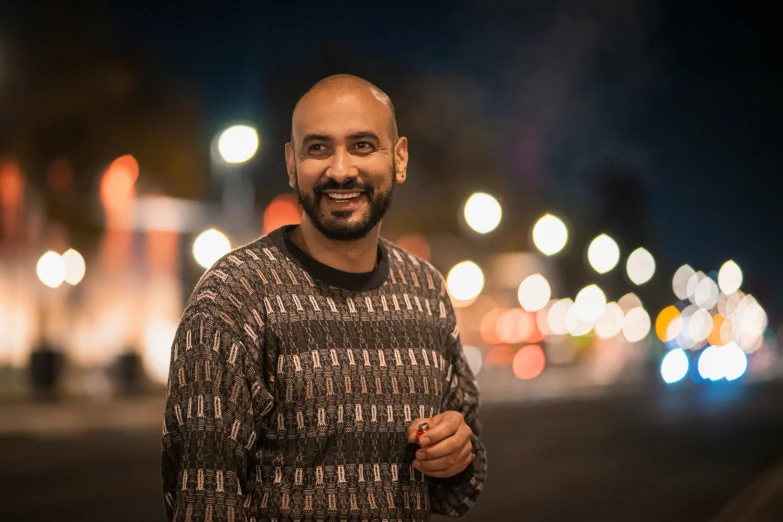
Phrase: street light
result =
(231, 148)
(238, 143)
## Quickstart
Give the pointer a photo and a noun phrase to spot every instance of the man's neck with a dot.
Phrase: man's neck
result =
(358, 256)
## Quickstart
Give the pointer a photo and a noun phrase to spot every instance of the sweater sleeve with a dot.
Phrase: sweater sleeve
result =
(217, 397)
(454, 496)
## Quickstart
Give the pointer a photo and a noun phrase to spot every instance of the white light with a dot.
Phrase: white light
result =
(699, 325)
(636, 325)
(550, 235)
(210, 246)
(534, 293)
(238, 144)
(465, 281)
(735, 362)
(556, 318)
(474, 357)
(628, 302)
(693, 284)
(706, 294)
(576, 326)
(674, 366)
(590, 303)
(730, 277)
(51, 269)
(158, 339)
(709, 364)
(680, 281)
(74, 267)
(610, 323)
(640, 266)
(603, 254)
(483, 212)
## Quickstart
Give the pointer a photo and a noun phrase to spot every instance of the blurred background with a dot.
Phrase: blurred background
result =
(596, 180)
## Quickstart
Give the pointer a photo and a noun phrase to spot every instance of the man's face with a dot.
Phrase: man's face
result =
(342, 164)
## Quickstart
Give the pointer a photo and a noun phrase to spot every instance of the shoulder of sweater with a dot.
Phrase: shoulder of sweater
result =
(232, 280)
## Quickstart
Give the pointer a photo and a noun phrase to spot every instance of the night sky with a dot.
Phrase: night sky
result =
(687, 95)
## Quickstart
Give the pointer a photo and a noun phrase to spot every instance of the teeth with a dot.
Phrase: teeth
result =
(344, 196)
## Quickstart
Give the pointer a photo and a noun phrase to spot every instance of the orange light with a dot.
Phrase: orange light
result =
(488, 326)
(665, 319)
(508, 326)
(415, 244)
(118, 184)
(529, 362)
(526, 326)
(283, 210)
(716, 337)
(11, 187)
(500, 355)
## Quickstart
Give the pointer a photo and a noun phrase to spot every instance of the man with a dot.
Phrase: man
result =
(307, 360)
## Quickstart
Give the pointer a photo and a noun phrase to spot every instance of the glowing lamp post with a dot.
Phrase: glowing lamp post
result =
(232, 148)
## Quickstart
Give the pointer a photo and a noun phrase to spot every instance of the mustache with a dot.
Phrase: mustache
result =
(348, 184)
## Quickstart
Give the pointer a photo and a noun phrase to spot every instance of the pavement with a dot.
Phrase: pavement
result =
(706, 454)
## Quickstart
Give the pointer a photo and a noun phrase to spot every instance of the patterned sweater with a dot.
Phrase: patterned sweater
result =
(292, 386)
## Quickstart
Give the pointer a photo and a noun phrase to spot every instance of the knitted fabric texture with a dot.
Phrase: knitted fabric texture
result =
(292, 386)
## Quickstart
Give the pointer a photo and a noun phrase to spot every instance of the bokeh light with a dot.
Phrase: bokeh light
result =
(668, 324)
(118, 184)
(75, 268)
(556, 317)
(628, 302)
(706, 293)
(636, 325)
(610, 322)
(680, 281)
(529, 362)
(283, 210)
(640, 266)
(416, 245)
(575, 325)
(238, 144)
(465, 281)
(210, 246)
(483, 212)
(51, 269)
(674, 366)
(500, 356)
(603, 254)
(474, 357)
(158, 338)
(735, 362)
(729, 277)
(590, 303)
(700, 325)
(488, 325)
(550, 235)
(534, 293)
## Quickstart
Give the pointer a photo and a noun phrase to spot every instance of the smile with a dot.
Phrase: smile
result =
(343, 196)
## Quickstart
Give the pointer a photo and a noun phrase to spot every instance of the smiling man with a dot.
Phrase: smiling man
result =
(317, 373)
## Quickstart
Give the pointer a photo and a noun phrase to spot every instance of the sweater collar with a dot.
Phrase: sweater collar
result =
(355, 282)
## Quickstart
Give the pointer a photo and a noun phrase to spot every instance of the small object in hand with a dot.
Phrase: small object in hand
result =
(423, 427)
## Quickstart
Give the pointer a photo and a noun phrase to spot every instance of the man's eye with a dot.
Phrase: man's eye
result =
(363, 145)
(318, 147)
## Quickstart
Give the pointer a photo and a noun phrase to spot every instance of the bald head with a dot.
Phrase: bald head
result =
(342, 85)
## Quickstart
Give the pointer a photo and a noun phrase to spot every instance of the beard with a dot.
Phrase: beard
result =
(337, 226)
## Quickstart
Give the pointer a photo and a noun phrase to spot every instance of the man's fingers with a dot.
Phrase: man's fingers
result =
(443, 425)
(447, 466)
(445, 447)
(446, 461)
(413, 428)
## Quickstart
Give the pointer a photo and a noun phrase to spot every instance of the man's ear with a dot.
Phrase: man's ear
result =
(401, 159)
(290, 164)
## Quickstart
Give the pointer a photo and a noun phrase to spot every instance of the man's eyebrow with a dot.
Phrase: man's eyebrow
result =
(315, 137)
(364, 134)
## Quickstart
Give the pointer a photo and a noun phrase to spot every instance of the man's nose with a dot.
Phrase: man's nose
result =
(342, 166)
